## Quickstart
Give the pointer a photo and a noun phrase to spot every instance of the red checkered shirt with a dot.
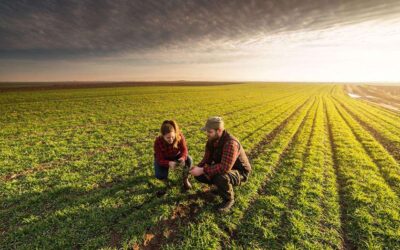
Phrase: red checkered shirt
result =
(164, 152)
(230, 153)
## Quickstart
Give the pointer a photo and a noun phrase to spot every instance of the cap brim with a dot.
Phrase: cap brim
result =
(203, 129)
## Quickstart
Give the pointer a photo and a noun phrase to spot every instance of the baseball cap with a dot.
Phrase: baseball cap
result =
(214, 122)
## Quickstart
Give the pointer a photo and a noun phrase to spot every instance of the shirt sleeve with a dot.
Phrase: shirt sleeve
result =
(228, 158)
(159, 155)
(183, 148)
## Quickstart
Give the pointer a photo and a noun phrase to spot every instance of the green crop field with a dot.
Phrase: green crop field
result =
(76, 169)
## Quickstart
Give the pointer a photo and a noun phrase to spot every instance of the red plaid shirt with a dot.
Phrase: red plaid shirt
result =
(164, 152)
(230, 153)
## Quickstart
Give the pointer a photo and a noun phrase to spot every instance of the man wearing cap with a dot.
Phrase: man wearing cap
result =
(224, 164)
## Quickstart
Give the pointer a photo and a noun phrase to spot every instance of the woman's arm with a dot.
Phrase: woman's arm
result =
(159, 154)
(183, 148)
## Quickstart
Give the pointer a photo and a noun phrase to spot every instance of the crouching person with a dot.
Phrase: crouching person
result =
(171, 152)
(224, 164)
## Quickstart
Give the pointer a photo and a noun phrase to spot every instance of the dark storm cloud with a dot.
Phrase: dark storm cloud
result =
(64, 29)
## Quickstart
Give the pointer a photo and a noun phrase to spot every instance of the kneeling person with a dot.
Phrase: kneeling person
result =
(225, 163)
(170, 151)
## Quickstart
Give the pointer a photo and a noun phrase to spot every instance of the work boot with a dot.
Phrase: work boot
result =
(185, 179)
(186, 183)
(163, 191)
(226, 206)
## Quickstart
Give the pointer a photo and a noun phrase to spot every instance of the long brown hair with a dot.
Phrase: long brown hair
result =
(169, 126)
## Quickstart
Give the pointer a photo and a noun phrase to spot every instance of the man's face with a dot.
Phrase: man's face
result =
(212, 134)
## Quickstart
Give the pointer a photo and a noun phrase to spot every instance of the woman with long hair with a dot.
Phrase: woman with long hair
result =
(170, 152)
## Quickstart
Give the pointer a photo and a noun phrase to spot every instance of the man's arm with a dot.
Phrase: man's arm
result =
(228, 158)
(199, 169)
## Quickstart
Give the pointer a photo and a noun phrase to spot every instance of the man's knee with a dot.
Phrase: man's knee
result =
(202, 179)
(221, 180)
(225, 188)
(230, 178)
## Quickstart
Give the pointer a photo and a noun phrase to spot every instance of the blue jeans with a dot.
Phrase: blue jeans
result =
(161, 172)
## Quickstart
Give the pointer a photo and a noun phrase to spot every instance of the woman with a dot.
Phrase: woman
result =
(170, 151)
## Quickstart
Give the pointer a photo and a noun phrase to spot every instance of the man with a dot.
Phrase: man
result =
(224, 164)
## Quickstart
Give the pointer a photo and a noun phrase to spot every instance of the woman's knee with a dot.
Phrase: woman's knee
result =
(159, 172)
(161, 177)
(189, 161)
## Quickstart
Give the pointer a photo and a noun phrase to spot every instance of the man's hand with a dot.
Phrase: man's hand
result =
(196, 171)
(172, 164)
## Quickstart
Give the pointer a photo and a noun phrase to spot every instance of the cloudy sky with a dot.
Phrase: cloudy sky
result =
(225, 40)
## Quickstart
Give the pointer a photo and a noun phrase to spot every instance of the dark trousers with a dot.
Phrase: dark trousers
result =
(161, 172)
(224, 183)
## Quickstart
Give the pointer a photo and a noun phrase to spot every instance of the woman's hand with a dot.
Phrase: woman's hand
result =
(181, 162)
(172, 164)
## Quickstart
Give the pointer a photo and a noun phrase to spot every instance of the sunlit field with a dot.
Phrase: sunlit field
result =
(76, 168)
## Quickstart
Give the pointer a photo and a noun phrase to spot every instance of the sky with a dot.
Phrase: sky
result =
(225, 40)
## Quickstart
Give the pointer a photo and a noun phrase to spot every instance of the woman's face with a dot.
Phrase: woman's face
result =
(170, 137)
